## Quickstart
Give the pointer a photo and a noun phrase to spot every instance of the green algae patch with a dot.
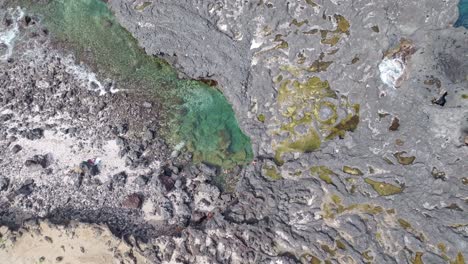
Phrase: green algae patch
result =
(326, 248)
(302, 144)
(367, 255)
(195, 114)
(383, 188)
(309, 258)
(319, 66)
(442, 247)
(349, 124)
(299, 24)
(261, 118)
(311, 3)
(310, 110)
(335, 208)
(340, 244)
(418, 258)
(142, 6)
(405, 224)
(459, 259)
(343, 24)
(272, 173)
(404, 160)
(323, 172)
(409, 228)
(352, 171)
(332, 37)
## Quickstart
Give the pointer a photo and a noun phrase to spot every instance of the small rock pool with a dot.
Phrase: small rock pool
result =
(197, 115)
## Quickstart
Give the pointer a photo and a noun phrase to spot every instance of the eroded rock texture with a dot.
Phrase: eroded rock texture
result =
(357, 111)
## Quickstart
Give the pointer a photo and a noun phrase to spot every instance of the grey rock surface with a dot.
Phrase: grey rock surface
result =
(365, 195)
(247, 45)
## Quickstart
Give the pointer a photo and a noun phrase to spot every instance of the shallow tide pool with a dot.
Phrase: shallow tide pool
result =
(463, 14)
(196, 114)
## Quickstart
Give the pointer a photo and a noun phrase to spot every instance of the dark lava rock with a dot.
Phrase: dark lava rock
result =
(36, 133)
(142, 180)
(120, 129)
(395, 124)
(16, 148)
(41, 160)
(121, 142)
(71, 130)
(132, 201)
(5, 117)
(119, 178)
(4, 182)
(438, 174)
(26, 188)
(78, 180)
(149, 135)
(197, 218)
(441, 100)
(167, 181)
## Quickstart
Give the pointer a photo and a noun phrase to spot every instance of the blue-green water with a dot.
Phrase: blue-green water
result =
(463, 14)
(195, 113)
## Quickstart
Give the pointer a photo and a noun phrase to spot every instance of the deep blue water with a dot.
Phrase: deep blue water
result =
(463, 18)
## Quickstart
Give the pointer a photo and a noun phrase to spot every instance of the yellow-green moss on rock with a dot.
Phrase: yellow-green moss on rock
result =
(323, 172)
(272, 173)
(300, 104)
(383, 188)
(404, 160)
(352, 171)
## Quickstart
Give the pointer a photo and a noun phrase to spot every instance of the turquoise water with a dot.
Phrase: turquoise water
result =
(195, 113)
(463, 17)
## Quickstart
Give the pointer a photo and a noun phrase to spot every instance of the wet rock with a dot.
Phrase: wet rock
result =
(121, 142)
(149, 135)
(120, 129)
(71, 130)
(4, 182)
(119, 179)
(27, 20)
(16, 148)
(78, 180)
(132, 201)
(167, 182)
(5, 117)
(36, 133)
(197, 217)
(141, 180)
(39, 160)
(26, 188)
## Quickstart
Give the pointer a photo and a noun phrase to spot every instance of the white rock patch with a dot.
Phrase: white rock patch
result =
(391, 71)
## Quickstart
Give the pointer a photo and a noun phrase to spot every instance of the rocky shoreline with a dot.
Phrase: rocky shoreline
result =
(77, 155)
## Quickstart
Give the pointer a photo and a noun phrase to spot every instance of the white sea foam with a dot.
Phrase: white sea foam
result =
(9, 34)
(87, 77)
